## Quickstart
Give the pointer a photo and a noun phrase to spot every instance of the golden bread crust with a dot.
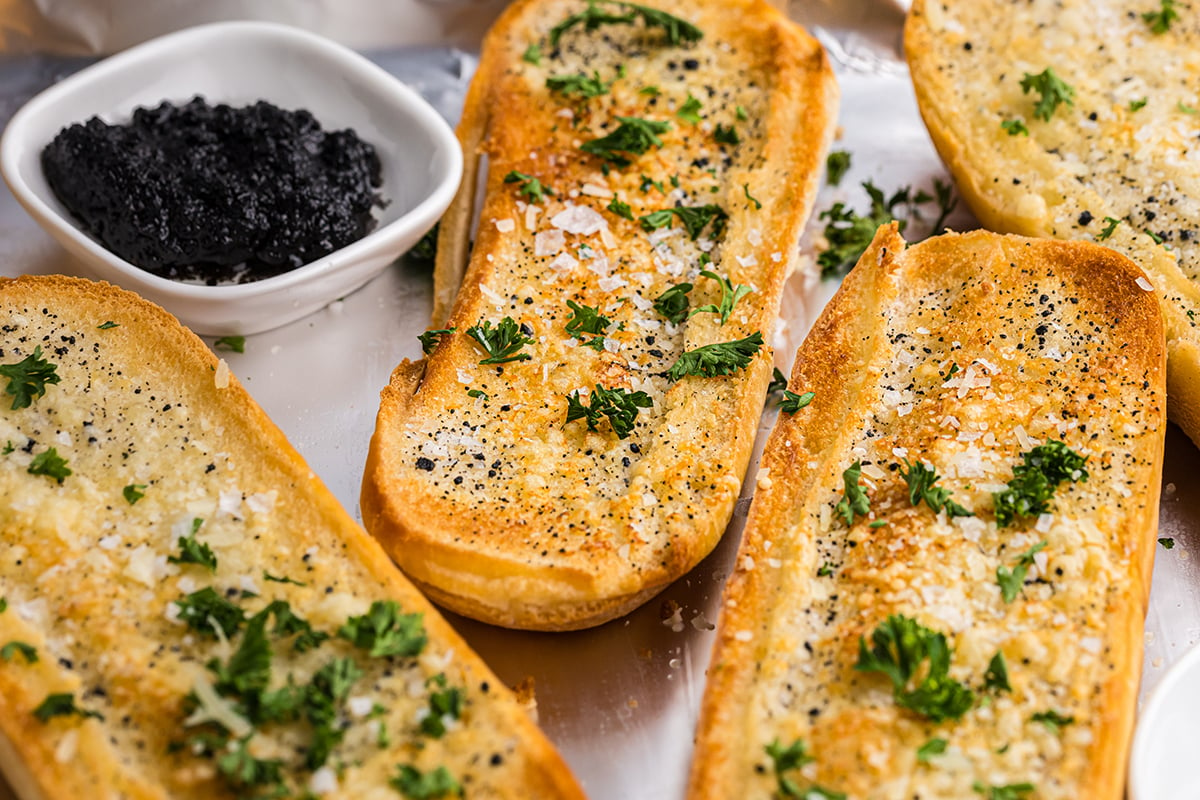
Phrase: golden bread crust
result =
(1051, 341)
(494, 504)
(1119, 154)
(86, 576)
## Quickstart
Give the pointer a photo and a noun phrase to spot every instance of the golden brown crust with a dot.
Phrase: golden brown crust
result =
(493, 504)
(807, 587)
(1115, 156)
(144, 402)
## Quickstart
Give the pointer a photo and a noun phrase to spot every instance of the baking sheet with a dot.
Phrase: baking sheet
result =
(620, 701)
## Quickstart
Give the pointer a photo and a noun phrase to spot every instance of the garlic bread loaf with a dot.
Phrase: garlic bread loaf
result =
(186, 612)
(946, 566)
(1077, 120)
(577, 435)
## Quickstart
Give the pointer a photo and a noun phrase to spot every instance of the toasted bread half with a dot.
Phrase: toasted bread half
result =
(1113, 165)
(565, 473)
(946, 566)
(187, 612)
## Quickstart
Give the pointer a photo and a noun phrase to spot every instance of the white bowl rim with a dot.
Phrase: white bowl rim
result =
(414, 104)
(1141, 783)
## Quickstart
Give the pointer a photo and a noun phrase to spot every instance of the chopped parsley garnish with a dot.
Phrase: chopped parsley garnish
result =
(28, 377)
(825, 570)
(837, 164)
(243, 770)
(50, 464)
(235, 343)
(849, 233)
(532, 55)
(996, 676)
(693, 218)
(133, 492)
(900, 646)
(322, 699)
(790, 759)
(1053, 721)
(62, 705)
(921, 480)
(502, 342)
(649, 183)
(1153, 236)
(27, 651)
(1012, 581)
(193, 551)
(726, 135)
(934, 747)
(531, 187)
(424, 252)
(854, 500)
(431, 339)
(3, 604)
(107, 326)
(778, 382)
(1167, 542)
(619, 405)
(634, 135)
(1052, 89)
(730, 295)
(721, 358)
(1011, 791)
(690, 110)
(384, 631)
(281, 579)
(741, 113)
(677, 30)
(287, 623)
(580, 85)
(477, 393)
(1112, 223)
(446, 702)
(1015, 127)
(620, 209)
(417, 785)
(650, 91)
(249, 668)
(205, 610)
(792, 402)
(586, 319)
(673, 303)
(750, 197)
(1034, 482)
(1138, 105)
(1160, 21)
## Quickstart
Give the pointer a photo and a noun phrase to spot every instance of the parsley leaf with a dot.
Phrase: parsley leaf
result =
(778, 382)
(192, 551)
(384, 631)
(1012, 581)
(502, 342)
(249, 668)
(417, 785)
(854, 500)
(1052, 89)
(677, 30)
(620, 209)
(424, 252)
(108, 325)
(1167, 542)
(848, 233)
(62, 705)
(531, 187)
(241, 769)
(837, 164)
(619, 405)
(634, 135)
(792, 402)
(3, 604)
(1015, 127)
(1034, 482)
(690, 110)
(1053, 721)
(1113, 222)
(50, 464)
(205, 610)
(281, 579)
(1012, 791)
(133, 492)
(27, 651)
(322, 699)
(730, 295)
(1160, 21)
(750, 197)
(726, 135)
(586, 319)
(996, 676)
(921, 480)
(934, 747)
(1138, 105)
(579, 84)
(532, 55)
(287, 623)
(431, 339)
(791, 758)
(448, 702)
(721, 358)
(28, 377)
(673, 303)
(900, 646)
(237, 344)
(693, 218)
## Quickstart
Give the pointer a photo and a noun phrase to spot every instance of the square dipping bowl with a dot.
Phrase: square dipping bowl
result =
(240, 63)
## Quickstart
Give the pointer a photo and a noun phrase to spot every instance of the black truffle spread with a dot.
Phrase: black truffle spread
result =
(215, 193)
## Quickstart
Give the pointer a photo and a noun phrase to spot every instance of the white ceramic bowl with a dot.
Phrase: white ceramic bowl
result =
(1161, 765)
(240, 63)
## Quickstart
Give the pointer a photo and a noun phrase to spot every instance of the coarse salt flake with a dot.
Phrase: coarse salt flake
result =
(1145, 284)
(504, 225)
(579, 220)
(548, 243)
